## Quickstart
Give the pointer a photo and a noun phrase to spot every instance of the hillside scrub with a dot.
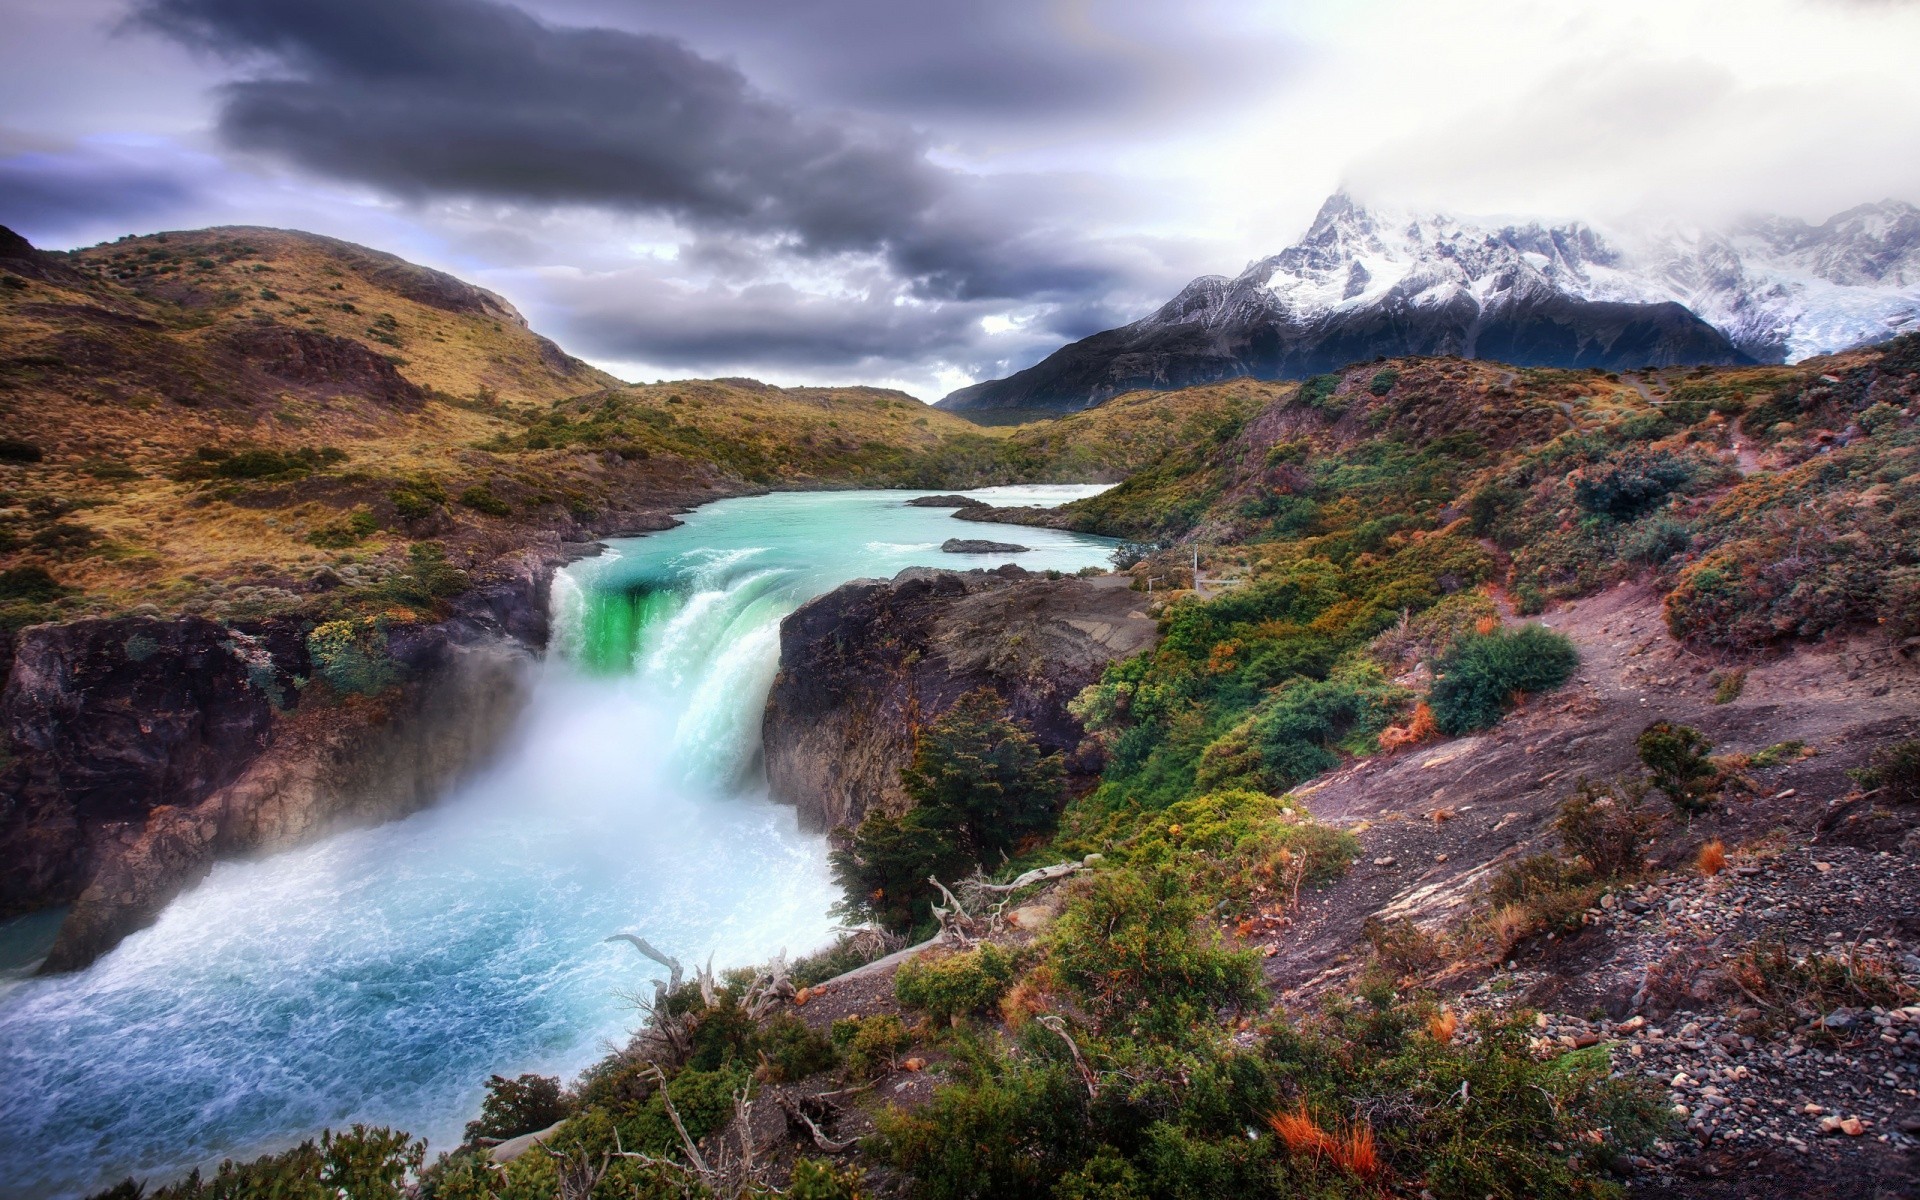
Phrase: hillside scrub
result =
(1479, 677)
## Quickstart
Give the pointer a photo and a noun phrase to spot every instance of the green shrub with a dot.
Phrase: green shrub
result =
(821, 1179)
(947, 986)
(351, 655)
(428, 578)
(870, 1045)
(1894, 771)
(359, 1164)
(1480, 675)
(417, 498)
(790, 1048)
(516, 1106)
(347, 531)
(980, 785)
(988, 772)
(1636, 482)
(882, 870)
(270, 464)
(1383, 381)
(1235, 844)
(32, 585)
(1677, 757)
(1318, 391)
(1607, 828)
(1128, 946)
(480, 498)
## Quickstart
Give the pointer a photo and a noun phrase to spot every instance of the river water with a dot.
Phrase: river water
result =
(381, 975)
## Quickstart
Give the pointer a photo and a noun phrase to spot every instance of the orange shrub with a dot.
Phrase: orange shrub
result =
(1712, 858)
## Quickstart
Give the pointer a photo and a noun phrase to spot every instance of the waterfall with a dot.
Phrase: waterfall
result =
(382, 974)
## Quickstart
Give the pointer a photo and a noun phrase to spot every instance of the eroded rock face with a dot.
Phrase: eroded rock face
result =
(141, 751)
(108, 720)
(866, 664)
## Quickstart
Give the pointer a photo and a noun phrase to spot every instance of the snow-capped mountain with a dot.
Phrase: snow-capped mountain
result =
(1365, 282)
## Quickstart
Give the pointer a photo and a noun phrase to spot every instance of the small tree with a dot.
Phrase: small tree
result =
(1677, 756)
(989, 773)
(979, 783)
(516, 1106)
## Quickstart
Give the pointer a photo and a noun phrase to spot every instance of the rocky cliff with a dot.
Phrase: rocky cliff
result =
(865, 665)
(141, 750)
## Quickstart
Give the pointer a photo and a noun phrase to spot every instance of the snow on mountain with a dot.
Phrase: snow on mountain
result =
(1366, 281)
(1780, 289)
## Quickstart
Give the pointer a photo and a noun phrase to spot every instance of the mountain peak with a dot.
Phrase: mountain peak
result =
(1364, 281)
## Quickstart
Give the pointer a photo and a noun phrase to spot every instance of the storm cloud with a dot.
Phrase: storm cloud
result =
(468, 99)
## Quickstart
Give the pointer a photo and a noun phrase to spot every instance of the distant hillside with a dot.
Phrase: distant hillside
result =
(1364, 283)
(221, 421)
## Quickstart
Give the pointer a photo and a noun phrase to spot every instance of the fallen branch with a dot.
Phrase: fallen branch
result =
(1040, 875)
(1086, 1073)
(686, 1140)
(820, 1139)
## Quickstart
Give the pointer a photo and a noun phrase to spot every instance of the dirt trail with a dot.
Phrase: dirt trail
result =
(1437, 822)
(1436, 825)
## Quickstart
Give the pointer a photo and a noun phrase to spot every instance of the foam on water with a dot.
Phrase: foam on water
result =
(383, 974)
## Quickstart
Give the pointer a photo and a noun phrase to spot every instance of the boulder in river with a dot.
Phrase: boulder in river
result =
(946, 502)
(980, 546)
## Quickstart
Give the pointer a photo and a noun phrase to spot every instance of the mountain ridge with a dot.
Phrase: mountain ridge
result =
(1364, 283)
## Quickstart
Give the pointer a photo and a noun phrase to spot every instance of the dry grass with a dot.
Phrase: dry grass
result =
(1712, 858)
(1349, 1148)
(1443, 1025)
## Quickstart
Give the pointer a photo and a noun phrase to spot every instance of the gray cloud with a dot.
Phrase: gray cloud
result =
(49, 193)
(471, 99)
(638, 315)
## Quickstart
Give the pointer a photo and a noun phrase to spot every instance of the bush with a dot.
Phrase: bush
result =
(31, 585)
(1480, 675)
(870, 1044)
(821, 1179)
(1635, 483)
(1128, 946)
(360, 1164)
(948, 986)
(351, 655)
(417, 498)
(480, 498)
(1606, 828)
(987, 772)
(980, 786)
(1894, 771)
(882, 871)
(1383, 381)
(270, 464)
(1233, 844)
(1318, 392)
(347, 531)
(1677, 757)
(515, 1106)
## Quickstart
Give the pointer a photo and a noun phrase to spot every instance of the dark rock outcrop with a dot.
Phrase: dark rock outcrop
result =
(865, 665)
(141, 751)
(945, 502)
(980, 546)
(322, 362)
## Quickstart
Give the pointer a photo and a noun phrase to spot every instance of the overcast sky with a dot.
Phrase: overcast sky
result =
(913, 193)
